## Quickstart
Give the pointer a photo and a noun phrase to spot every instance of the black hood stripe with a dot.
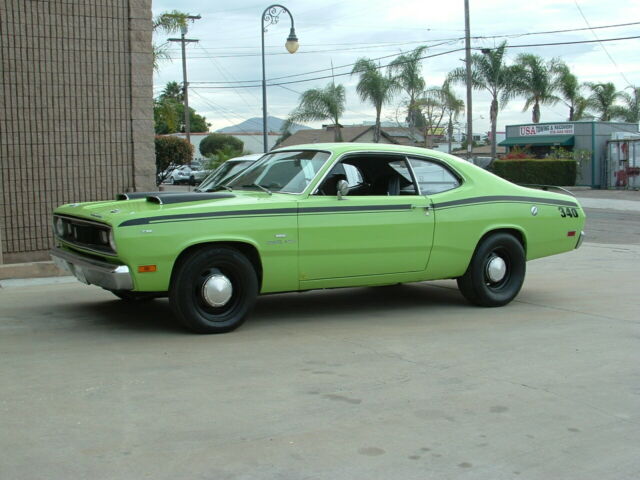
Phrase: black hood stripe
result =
(187, 197)
(137, 195)
(208, 215)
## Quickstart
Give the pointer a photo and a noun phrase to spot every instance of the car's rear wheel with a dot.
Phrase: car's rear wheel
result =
(213, 290)
(496, 272)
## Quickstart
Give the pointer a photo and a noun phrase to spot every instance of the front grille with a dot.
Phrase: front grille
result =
(83, 233)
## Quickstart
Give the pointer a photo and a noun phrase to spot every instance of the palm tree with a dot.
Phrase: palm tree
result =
(376, 87)
(630, 112)
(536, 80)
(320, 104)
(407, 70)
(569, 88)
(173, 91)
(490, 73)
(454, 106)
(166, 22)
(602, 99)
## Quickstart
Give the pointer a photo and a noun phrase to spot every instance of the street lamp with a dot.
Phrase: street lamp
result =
(270, 16)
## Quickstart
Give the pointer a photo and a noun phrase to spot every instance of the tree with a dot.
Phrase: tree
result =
(407, 69)
(454, 106)
(536, 81)
(172, 91)
(376, 87)
(169, 118)
(166, 22)
(168, 112)
(320, 104)
(213, 143)
(433, 107)
(569, 89)
(490, 73)
(171, 152)
(630, 111)
(602, 99)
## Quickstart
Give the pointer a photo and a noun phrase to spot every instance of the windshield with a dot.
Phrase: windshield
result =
(223, 173)
(286, 172)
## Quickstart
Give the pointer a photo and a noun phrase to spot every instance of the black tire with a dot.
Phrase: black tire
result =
(476, 285)
(187, 299)
(129, 296)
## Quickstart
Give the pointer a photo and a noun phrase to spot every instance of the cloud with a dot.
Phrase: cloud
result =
(341, 32)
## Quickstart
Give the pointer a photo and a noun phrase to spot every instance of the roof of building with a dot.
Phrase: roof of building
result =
(326, 135)
(482, 150)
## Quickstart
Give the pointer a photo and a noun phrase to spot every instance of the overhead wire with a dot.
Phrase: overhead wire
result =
(431, 56)
(615, 64)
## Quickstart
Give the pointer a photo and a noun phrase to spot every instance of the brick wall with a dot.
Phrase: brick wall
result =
(76, 113)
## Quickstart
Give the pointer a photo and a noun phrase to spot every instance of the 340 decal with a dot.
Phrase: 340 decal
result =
(568, 212)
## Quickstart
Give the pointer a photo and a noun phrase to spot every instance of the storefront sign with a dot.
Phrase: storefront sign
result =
(551, 129)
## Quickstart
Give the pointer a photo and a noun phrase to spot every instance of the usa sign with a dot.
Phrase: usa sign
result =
(550, 129)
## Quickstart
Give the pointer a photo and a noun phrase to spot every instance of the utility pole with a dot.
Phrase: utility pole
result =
(185, 83)
(467, 47)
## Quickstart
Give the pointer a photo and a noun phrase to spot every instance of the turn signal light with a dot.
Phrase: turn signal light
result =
(147, 268)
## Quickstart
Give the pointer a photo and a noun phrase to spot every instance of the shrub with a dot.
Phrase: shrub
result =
(171, 151)
(560, 172)
(215, 142)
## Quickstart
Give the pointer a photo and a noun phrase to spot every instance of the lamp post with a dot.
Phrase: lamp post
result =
(270, 16)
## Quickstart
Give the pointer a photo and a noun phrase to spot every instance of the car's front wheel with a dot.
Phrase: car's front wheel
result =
(496, 272)
(213, 290)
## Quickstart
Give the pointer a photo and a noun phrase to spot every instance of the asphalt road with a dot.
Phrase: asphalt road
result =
(405, 382)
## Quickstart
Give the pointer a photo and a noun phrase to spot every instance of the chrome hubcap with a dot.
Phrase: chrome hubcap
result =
(496, 269)
(217, 290)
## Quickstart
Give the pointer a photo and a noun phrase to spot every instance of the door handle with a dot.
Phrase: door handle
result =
(426, 208)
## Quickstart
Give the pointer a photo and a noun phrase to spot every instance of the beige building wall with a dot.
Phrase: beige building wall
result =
(76, 112)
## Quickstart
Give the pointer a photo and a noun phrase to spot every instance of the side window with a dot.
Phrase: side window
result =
(433, 177)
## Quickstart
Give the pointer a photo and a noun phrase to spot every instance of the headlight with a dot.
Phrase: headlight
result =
(112, 241)
(58, 226)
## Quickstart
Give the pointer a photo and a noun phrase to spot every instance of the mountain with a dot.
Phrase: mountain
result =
(255, 125)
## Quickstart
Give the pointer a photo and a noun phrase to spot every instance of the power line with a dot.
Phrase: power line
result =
(325, 69)
(387, 44)
(601, 44)
(429, 56)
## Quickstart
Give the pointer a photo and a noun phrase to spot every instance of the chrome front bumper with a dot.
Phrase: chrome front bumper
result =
(93, 272)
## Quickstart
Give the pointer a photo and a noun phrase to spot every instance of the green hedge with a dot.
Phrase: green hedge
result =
(534, 171)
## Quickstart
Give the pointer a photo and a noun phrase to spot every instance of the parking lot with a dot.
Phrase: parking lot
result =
(402, 382)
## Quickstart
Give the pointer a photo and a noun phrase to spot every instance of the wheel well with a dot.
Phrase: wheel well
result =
(246, 249)
(511, 231)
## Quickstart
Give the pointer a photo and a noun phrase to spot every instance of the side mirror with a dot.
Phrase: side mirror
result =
(342, 188)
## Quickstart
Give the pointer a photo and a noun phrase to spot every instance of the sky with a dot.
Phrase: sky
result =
(338, 33)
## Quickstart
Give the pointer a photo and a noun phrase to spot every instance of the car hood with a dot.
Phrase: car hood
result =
(135, 206)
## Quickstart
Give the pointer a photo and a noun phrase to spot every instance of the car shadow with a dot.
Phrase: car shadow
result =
(358, 304)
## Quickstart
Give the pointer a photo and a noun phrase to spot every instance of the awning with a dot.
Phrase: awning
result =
(560, 140)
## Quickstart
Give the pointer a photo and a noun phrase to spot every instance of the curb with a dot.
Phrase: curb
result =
(30, 270)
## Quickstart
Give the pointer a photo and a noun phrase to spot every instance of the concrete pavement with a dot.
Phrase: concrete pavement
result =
(405, 382)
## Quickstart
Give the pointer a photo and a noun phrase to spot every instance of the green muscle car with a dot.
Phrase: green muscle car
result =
(317, 216)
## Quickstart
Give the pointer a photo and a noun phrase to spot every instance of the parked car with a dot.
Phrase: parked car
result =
(317, 216)
(177, 175)
(228, 170)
